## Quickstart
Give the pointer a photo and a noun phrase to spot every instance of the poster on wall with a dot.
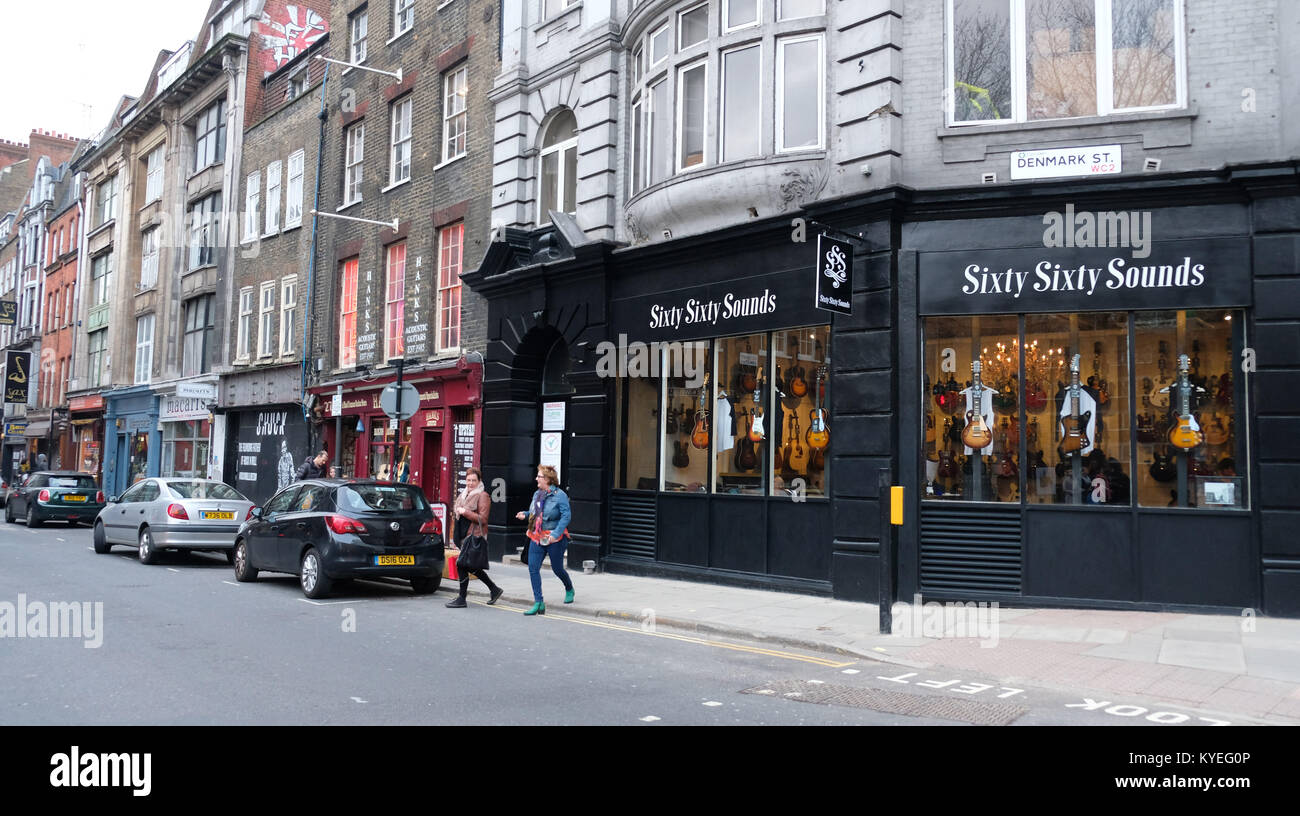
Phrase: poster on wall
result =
(462, 451)
(551, 446)
(269, 446)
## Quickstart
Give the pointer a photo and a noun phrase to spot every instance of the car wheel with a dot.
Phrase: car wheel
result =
(315, 583)
(426, 586)
(244, 569)
(31, 519)
(148, 552)
(101, 541)
(230, 556)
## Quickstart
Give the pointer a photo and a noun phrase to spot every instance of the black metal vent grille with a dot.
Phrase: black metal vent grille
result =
(970, 547)
(632, 525)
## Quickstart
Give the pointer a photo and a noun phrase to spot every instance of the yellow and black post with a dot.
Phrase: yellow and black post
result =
(891, 517)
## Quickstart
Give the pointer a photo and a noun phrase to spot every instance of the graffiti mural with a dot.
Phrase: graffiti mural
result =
(289, 34)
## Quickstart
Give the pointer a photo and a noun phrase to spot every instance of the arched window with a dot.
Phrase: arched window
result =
(559, 170)
(555, 372)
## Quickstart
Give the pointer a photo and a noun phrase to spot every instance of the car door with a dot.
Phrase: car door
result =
(300, 523)
(263, 543)
(26, 494)
(115, 517)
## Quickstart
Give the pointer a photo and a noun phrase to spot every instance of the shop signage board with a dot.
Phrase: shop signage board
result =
(462, 451)
(8, 312)
(175, 408)
(1059, 162)
(202, 391)
(834, 288)
(18, 364)
(15, 428)
(553, 416)
(1191, 274)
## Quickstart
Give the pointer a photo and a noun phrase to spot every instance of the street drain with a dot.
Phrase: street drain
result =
(893, 702)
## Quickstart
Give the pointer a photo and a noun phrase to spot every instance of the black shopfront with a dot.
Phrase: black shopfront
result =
(688, 394)
(1167, 478)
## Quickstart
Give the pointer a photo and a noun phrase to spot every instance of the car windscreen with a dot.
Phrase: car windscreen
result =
(204, 490)
(396, 498)
(75, 482)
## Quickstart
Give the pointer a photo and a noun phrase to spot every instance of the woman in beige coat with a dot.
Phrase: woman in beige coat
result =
(473, 504)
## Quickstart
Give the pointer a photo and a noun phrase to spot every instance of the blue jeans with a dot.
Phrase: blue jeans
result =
(536, 554)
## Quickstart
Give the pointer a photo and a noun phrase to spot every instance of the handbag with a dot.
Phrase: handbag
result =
(473, 553)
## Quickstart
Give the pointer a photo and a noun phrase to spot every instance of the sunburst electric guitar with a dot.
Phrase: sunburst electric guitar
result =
(1186, 433)
(1074, 426)
(976, 435)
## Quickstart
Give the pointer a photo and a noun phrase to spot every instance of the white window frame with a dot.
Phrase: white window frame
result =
(398, 139)
(266, 320)
(106, 201)
(637, 178)
(98, 297)
(244, 335)
(293, 189)
(560, 179)
(288, 313)
(678, 146)
(144, 348)
(781, 43)
(274, 175)
(98, 354)
(348, 354)
(394, 343)
(1102, 29)
(726, 14)
(548, 7)
(651, 62)
(353, 162)
(252, 205)
(460, 118)
(722, 102)
(149, 258)
(153, 188)
(681, 15)
(442, 247)
(357, 44)
(399, 7)
(780, 18)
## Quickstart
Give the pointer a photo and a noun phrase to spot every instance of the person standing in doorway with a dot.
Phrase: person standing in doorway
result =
(548, 534)
(474, 505)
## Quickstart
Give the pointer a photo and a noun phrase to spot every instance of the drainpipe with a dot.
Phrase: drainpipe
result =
(311, 261)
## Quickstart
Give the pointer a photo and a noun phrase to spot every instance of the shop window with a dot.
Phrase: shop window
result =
(638, 426)
(687, 441)
(1025, 60)
(388, 461)
(1062, 445)
(138, 460)
(740, 415)
(798, 428)
(395, 302)
(185, 449)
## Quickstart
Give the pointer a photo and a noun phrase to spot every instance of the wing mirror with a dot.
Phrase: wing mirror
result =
(113, 499)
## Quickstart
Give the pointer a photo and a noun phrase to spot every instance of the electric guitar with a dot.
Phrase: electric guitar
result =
(700, 435)
(819, 433)
(976, 435)
(1186, 433)
(680, 459)
(1074, 436)
(756, 431)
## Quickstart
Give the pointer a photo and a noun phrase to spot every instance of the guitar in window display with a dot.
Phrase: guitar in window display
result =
(819, 432)
(1074, 425)
(756, 430)
(976, 435)
(1186, 433)
(700, 435)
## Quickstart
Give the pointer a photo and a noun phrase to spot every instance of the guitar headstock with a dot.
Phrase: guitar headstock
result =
(1074, 364)
(1184, 363)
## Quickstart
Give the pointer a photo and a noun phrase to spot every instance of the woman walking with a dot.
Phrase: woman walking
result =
(548, 533)
(473, 505)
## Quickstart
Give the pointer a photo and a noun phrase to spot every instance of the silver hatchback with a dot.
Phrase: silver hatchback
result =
(165, 514)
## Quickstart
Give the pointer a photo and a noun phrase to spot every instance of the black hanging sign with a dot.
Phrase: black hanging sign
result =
(17, 365)
(834, 288)
(8, 312)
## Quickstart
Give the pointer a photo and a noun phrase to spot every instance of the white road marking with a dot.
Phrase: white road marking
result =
(60, 539)
(651, 718)
(850, 671)
(232, 583)
(173, 569)
(794, 694)
(817, 682)
(359, 700)
(324, 603)
(92, 549)
(765, 691)
(712, 703)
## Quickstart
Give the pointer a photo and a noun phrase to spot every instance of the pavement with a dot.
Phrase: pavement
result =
(1241, 665)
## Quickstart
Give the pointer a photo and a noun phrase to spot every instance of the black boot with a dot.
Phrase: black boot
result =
(457, 603)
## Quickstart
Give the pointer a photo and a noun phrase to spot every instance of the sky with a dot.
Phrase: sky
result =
(67, 63)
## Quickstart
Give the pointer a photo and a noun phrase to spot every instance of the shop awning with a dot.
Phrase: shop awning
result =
(37, 430)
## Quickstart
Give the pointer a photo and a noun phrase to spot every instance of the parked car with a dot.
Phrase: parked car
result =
(325, 530)
(8, 486)
(155, 515)
(50, 495)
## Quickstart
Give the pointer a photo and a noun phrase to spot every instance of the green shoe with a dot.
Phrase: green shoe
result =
(568, 596)
(538, 608)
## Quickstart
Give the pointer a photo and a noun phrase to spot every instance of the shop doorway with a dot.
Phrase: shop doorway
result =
(431, 466)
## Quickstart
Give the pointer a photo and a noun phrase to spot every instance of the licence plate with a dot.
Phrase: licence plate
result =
(217, 515)
(394, 560)
(74, 498)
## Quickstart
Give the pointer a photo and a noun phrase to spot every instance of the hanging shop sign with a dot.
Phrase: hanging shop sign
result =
(8, 312)
(834, 275)
(1090, 160)
(200, 391)
(1200, 273)
(17, 364)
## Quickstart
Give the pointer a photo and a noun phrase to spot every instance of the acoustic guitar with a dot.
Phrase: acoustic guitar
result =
(748, 380)
(819, 433)
(1186, 433)
(700, 435)
(798, 386)
(976, 435)
(1074, 435)
(746, 458)
(1216, 431)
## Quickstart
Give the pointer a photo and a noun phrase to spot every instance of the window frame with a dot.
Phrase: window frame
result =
(210, 135)
(400, 8)
(561, 176)
(452, 272)
(252, 205)
(144, 349)
(106, 201)
(397, 141)
(244, 330)
(679, 145)
(265, 320)
(394, 307)
(354, 154)
(458, 119)
(780, 4)
(101, 286)
(274, 190)
(680, 18)
(781, 43)
(203, 333)
(725, 14)
(204, 231)
(149, 253)
(98, 357)
(154, 175)
(357, 46)
(293, 200)
(722, 101)
(347, 354)
(288, 313)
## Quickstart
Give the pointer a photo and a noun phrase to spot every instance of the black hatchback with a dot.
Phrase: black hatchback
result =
(324, 530)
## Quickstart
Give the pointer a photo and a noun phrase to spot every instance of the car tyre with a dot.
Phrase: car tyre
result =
(31, 519)
(230, 556)
(101, 541)
(147, 551)
(311, 575)
(244, 569)
(426, 586)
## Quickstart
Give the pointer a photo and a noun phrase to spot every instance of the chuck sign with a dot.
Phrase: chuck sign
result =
(834, 287)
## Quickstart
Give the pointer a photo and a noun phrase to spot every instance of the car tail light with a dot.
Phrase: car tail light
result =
(177, 511)
(250, 514)
(431, 527)
(44, 495)
(99, 497)
(343, 525)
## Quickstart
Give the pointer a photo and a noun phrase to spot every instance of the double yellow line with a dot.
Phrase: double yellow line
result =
(817, 661)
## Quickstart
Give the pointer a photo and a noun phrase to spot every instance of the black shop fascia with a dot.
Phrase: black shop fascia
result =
(1077, 413)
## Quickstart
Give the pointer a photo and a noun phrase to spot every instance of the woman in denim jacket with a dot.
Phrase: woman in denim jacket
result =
(548, 533)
